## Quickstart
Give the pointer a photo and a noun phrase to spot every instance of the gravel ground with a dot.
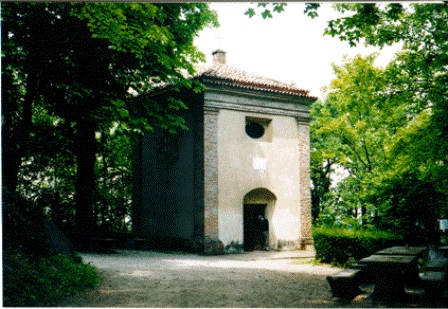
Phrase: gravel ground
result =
(258, 279)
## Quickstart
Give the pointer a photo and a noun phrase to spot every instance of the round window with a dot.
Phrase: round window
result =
(254, 130)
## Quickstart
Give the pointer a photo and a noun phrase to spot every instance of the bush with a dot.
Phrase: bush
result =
(23, 227)
(27, 282)
(338, 246)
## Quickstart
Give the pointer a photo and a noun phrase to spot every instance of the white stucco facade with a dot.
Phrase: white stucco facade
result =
(246, 154)
(267, 164)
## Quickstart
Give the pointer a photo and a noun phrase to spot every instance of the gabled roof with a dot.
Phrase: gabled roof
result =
(225, 75)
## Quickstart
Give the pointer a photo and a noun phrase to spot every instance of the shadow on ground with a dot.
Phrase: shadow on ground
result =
(154, 279)
(415, 298)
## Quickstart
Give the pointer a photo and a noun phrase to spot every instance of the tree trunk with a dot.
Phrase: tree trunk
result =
(85, 184)
(16, 129)
(11, 147)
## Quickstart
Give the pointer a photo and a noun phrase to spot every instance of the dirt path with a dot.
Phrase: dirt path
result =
(152, 279)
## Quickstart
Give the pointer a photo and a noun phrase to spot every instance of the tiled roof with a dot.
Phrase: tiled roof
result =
(225, 75)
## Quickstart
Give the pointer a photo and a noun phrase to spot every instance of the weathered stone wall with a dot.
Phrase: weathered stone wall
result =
(281, 161)
(212, 244)
(168, 187)
(198, 233)
(288, 245)
(200, 198)
(305, 182)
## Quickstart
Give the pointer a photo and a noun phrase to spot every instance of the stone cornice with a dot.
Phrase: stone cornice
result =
(256, 102)
(301, 121)
(211, 109)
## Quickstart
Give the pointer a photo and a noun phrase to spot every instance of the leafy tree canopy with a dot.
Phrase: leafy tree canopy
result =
(76, 68)
(401, 121)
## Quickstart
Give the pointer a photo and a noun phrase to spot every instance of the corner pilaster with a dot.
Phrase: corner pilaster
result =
(305, 237)
(212, 244)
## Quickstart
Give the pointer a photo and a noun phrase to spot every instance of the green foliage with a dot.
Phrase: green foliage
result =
(384, 140)
(44, 282)
(47, 174)
(32, 273)
(306, 261)
(352, 131)
(311, 9)
(23, 227)
(70, 72)
(338, 245)
(418, 71)
(401, 200)
(404, 120)
(266, 9)
(113, 172)
(234, 247)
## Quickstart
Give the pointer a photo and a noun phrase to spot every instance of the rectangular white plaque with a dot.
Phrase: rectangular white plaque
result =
(259, 164)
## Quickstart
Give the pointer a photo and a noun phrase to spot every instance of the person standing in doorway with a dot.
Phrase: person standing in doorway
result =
(264, 232)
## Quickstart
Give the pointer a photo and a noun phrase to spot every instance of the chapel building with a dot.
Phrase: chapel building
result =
(246, 153)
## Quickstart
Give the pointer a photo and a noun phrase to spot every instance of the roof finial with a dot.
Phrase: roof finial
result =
(220, 39)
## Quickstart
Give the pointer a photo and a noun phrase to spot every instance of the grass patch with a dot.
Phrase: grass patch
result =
(306, 262)
(43, 282)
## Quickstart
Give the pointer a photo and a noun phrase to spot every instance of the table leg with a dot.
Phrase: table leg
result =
(389, 284)
(411, 276)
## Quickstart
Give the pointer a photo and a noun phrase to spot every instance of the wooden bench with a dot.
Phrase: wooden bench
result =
(345, 283)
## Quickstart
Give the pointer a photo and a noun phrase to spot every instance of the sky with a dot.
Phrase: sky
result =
(290, 47)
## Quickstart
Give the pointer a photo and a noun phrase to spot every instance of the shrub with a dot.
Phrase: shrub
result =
(23, 227)
(27, 282)
(33, 275)
(338, 246)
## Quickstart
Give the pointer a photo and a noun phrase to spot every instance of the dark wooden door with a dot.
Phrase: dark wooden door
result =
(251, 230)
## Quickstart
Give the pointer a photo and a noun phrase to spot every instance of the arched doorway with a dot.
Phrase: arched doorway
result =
(257, 202)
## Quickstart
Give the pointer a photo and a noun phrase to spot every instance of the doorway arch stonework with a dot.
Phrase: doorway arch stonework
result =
(259, 201)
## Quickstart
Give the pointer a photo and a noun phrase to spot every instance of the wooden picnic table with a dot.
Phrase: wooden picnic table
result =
(403, 250)
(390, 273)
